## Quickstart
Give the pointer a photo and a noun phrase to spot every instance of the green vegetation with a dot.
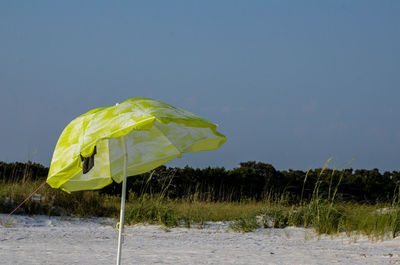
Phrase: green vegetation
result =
(56, 202)
(251, 180)
(161, 198)
(375, 221)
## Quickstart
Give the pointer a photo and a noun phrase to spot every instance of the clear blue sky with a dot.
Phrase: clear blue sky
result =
(290, 83)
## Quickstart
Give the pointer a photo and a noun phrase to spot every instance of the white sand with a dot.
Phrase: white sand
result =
(44, 240)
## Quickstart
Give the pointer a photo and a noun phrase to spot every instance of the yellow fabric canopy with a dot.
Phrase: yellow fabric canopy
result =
(154, 132)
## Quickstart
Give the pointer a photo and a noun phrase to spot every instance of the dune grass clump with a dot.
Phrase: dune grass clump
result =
(375, 222)
(159, 209)
(328, 216)
(152, 210)
(50, 201)
(245, 224)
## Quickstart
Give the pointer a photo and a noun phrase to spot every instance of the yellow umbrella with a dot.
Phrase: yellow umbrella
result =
(108, 144)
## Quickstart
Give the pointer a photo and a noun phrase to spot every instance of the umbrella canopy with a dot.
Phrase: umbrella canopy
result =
(90, 151)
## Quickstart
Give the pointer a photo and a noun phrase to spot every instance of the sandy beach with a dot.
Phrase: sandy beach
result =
(55, 240)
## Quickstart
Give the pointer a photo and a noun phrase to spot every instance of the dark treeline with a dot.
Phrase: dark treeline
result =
(251, 180)
(17, 171)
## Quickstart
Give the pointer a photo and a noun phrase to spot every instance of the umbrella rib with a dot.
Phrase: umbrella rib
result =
(89, 179)
(204, 138)
(117, 131)
(155, 125)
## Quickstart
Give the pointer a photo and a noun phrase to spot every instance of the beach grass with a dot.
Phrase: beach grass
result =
(188, 213)
(325, 215)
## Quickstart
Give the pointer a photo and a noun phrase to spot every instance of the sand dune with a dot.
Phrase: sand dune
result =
(55, 240)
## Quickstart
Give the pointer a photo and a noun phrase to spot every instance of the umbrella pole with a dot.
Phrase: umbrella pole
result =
(122, 214)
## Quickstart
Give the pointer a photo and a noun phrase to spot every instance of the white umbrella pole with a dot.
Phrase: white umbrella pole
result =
(122, 215)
